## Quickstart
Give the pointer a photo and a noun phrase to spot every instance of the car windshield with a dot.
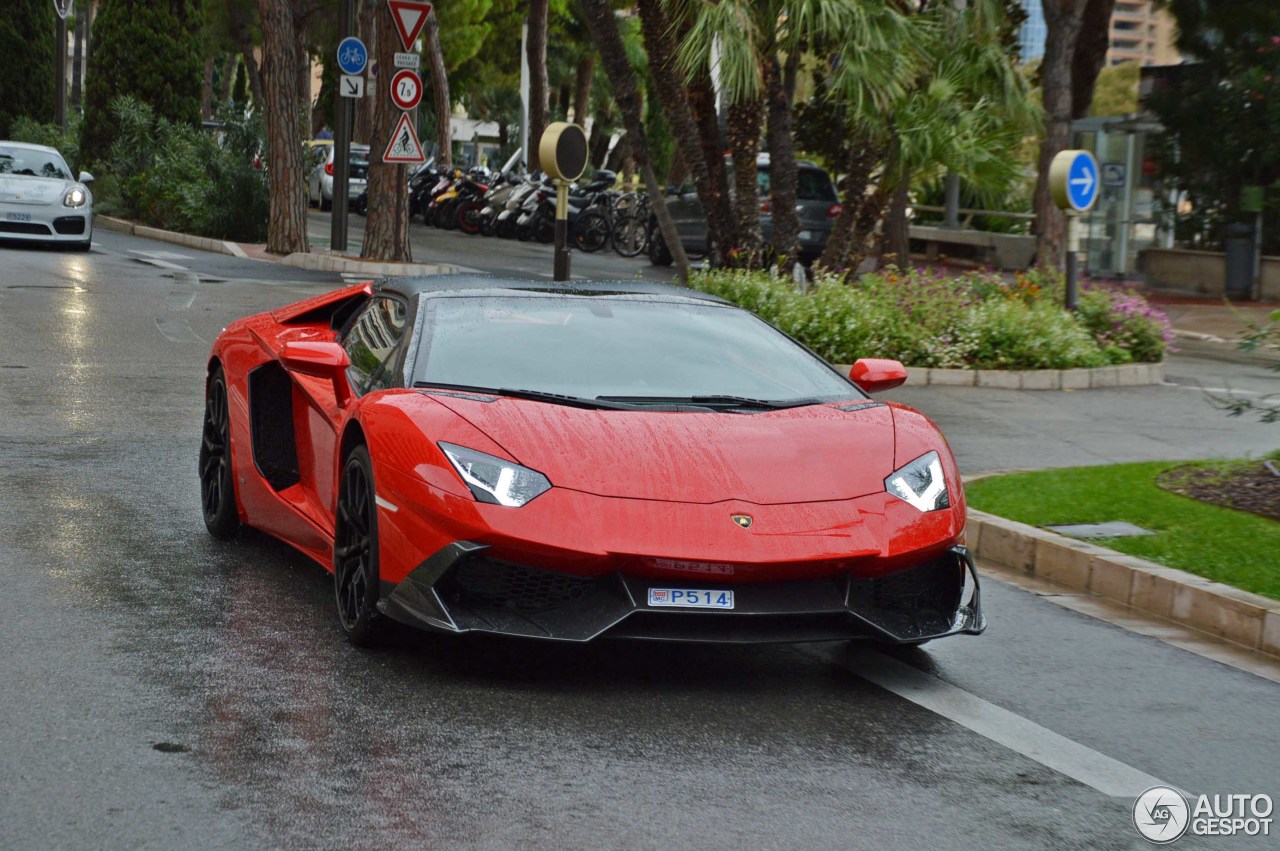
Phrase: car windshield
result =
(811, 185)
(30, 162)
(625, 347)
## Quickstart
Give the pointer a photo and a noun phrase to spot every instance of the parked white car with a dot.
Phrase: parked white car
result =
(320, 181)
(39, 200)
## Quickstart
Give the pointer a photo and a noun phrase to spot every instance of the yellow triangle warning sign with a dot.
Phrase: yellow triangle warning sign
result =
(404, 146)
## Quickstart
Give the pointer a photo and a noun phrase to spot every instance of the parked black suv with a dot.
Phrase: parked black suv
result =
(817, 204)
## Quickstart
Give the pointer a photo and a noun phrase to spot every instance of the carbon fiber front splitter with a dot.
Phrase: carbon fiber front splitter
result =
(460, 590)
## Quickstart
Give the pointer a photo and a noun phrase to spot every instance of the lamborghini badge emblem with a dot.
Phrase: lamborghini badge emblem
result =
(743, 520)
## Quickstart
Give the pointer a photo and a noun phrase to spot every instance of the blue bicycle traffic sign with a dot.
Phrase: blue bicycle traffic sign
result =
(1075, 181)
(352, 55)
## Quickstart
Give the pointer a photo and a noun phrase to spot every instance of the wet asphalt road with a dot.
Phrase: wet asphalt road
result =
(163, 690)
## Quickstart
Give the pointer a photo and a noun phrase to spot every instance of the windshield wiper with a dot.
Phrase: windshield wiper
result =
(721, 401)
(532, 395)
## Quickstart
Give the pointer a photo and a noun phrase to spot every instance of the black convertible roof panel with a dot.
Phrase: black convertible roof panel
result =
(431, 285)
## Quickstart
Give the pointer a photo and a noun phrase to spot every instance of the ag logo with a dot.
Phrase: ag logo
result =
(743, 520)
(1161, 815)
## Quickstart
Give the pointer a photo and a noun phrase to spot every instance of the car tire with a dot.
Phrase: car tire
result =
(659, 254)
(217, 479)
(356, 578)
(325, 205)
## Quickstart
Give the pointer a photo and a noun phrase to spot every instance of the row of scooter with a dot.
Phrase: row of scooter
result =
(518, 206)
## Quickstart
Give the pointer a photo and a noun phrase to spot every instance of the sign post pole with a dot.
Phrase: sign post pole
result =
(560, 271)
(352, 57)
(562, 151)
(1074, 183)
(1073, 257)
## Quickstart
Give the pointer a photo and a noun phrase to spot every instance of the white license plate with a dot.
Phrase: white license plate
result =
(806, 235)
(684, 598)
(18, 217)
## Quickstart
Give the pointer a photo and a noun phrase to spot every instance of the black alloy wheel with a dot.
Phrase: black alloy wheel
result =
(355, 552)
(217, 485)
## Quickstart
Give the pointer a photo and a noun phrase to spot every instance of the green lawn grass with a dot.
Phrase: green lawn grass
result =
(1222, 544)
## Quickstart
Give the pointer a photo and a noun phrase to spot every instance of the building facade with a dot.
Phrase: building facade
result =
(1140, 32)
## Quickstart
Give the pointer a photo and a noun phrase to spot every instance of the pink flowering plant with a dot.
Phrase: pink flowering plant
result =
(932, 318)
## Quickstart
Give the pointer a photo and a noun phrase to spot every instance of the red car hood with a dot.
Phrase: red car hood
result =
(811, 454)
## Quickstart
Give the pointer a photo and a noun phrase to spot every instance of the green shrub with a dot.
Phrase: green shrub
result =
(1125, 325)
(178, 177)
(65, 142)
(926, 319)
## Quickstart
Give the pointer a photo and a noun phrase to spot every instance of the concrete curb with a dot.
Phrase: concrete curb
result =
(1127, 375)
(318, 262)
(201, 243)
(315, 261)
(1249, 620)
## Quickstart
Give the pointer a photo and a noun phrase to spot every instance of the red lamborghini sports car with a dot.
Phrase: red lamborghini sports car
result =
(579, 460)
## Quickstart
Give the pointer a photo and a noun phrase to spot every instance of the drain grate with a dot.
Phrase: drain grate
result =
(1089, 531)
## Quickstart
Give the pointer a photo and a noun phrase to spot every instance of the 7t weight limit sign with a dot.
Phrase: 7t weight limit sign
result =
(406, 89)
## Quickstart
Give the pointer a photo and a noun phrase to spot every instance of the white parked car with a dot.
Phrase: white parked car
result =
(320, 182)
(40, 201)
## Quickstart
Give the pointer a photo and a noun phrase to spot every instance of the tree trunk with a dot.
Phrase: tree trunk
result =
(702, 100)
(77, 55)
(362, 128)
(206, 90)
(537, 79)
(618, 156)
(244, 43)
(783, 175)
(1090, 54)
(304, 76)
(440, 101)
(386, 235)
(1063, 19)
(582, 88)
(674, 98)
(599, 18)
(856, 175)
(223, 92)
(598, 142)
(287, 227)
(863, 242)
(895, 242)
(745, 120)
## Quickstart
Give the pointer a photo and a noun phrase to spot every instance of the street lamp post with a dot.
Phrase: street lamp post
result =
(63, 8)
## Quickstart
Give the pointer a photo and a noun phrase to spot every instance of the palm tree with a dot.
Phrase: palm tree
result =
(964, 108)
(759, 45)
(598, 15)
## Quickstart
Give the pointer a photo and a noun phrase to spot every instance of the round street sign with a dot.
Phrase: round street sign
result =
(1074, 181)
(562, 150)
(406, 89)
(352, 55)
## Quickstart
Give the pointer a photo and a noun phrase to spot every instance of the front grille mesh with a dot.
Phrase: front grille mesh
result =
(933, 586)
(485, 583)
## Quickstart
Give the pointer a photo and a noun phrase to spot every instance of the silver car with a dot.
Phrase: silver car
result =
(320, 182)
(39, 200)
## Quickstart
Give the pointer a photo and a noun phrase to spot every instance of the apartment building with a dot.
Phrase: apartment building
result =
(1140, 32)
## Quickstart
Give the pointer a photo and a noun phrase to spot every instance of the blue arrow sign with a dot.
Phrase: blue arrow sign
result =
(1083, 182)
(352, 55)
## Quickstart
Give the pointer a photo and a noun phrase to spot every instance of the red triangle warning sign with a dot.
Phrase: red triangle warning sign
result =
(409, 16)
(404, 146)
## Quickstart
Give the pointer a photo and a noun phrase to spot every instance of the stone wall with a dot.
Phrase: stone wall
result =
(1201, 272)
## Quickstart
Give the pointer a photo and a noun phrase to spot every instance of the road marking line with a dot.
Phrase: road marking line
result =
(177, 330)
(179, 300)
(1109, 776)
(236, 250)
